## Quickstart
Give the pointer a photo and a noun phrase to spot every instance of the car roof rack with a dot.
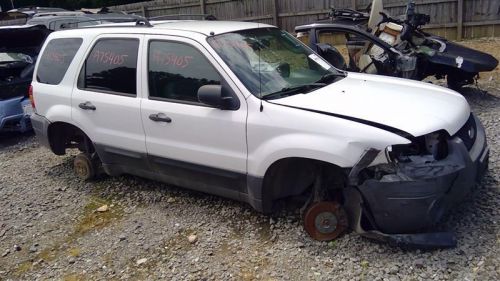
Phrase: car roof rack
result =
(142, 22)
(64, 13)
(204, 16)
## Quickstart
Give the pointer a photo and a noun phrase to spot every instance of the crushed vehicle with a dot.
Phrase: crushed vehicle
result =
(19, 47)
(246, 111)
(373, 42)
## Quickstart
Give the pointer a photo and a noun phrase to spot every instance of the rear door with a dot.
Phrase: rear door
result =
(192, 144)
(105, 103)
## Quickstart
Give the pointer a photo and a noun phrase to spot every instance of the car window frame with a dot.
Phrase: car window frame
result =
(223, 81)
(137, 66)
(367, 36)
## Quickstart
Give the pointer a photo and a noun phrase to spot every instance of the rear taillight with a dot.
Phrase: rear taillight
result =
(30, 95)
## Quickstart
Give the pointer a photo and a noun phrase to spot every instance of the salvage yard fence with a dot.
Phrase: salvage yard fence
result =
(454, 19)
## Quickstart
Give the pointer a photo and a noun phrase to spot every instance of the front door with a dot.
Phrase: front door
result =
(189, 143)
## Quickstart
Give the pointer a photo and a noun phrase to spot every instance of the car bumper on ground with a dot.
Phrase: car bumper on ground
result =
(15, 115)
(420, 194)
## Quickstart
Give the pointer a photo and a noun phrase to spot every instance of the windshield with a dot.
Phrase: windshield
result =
(270, 61)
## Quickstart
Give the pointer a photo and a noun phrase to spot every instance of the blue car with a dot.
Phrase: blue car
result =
(15, 115)
(19, 48)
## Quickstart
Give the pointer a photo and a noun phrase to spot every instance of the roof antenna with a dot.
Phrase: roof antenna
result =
(260, 77)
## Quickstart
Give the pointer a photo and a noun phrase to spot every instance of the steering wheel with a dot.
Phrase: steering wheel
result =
(283, 69)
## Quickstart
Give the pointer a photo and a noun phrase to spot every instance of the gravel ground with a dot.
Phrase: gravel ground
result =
(50, 227)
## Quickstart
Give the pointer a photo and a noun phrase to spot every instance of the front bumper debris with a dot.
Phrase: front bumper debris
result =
(420, 193)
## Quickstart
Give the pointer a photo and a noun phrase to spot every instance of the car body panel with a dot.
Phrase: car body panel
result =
(221, 136)
(414, 107)
(116, 119)
(466, 59)
(273, 136)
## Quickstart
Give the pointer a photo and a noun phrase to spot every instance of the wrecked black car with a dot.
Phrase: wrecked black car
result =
(372, 42)
(19, 48)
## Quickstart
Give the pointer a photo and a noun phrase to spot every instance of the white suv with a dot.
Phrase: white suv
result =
(246, 111)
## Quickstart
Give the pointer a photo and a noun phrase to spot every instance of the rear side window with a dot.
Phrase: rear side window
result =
(111, 67)
(56, 59)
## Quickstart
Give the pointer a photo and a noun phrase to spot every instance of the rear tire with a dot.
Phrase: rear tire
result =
(84, 166)
(456, 81)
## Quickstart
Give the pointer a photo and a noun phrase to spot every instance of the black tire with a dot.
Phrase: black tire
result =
(84, 167)
(456, 81)
(453, 83)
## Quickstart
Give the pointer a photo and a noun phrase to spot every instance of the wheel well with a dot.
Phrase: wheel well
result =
(63, 135)
(290, 177)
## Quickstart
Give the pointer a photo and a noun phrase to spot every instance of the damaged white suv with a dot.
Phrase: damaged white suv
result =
(246, 111)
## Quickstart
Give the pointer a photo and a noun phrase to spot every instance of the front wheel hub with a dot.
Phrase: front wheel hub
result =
(325, 221)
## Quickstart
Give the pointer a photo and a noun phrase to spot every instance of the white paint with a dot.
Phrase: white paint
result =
(459, 61)
(247, 140)
(415, 107)
(197, 134)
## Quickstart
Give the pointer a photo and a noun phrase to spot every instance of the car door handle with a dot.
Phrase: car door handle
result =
(87, 106)
(160, 117)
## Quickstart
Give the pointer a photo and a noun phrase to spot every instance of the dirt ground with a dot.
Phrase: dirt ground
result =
(51, 227)
(490, 46)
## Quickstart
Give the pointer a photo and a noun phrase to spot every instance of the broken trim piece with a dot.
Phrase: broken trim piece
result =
(433, 240)
(363, 162)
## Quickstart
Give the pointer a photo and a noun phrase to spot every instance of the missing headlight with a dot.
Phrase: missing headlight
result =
(435, 144)
(468, 132)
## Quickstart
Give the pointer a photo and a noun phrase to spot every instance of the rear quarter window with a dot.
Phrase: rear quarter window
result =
(56, 59)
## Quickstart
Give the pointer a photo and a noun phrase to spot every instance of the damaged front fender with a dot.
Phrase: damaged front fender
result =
(414, 196)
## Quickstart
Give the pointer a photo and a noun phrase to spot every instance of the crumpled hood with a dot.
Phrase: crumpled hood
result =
(414, 107)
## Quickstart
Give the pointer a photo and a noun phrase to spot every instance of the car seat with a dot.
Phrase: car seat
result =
(332, 55)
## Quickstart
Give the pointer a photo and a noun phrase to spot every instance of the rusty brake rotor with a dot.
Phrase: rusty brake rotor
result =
(325, 220)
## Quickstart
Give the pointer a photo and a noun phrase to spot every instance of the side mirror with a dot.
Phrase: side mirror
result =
(217, 96)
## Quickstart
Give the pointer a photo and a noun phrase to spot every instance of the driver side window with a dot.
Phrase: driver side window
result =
(176, 71)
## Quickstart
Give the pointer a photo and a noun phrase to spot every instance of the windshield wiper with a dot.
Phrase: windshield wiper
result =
(297, 89)
(330, 76)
